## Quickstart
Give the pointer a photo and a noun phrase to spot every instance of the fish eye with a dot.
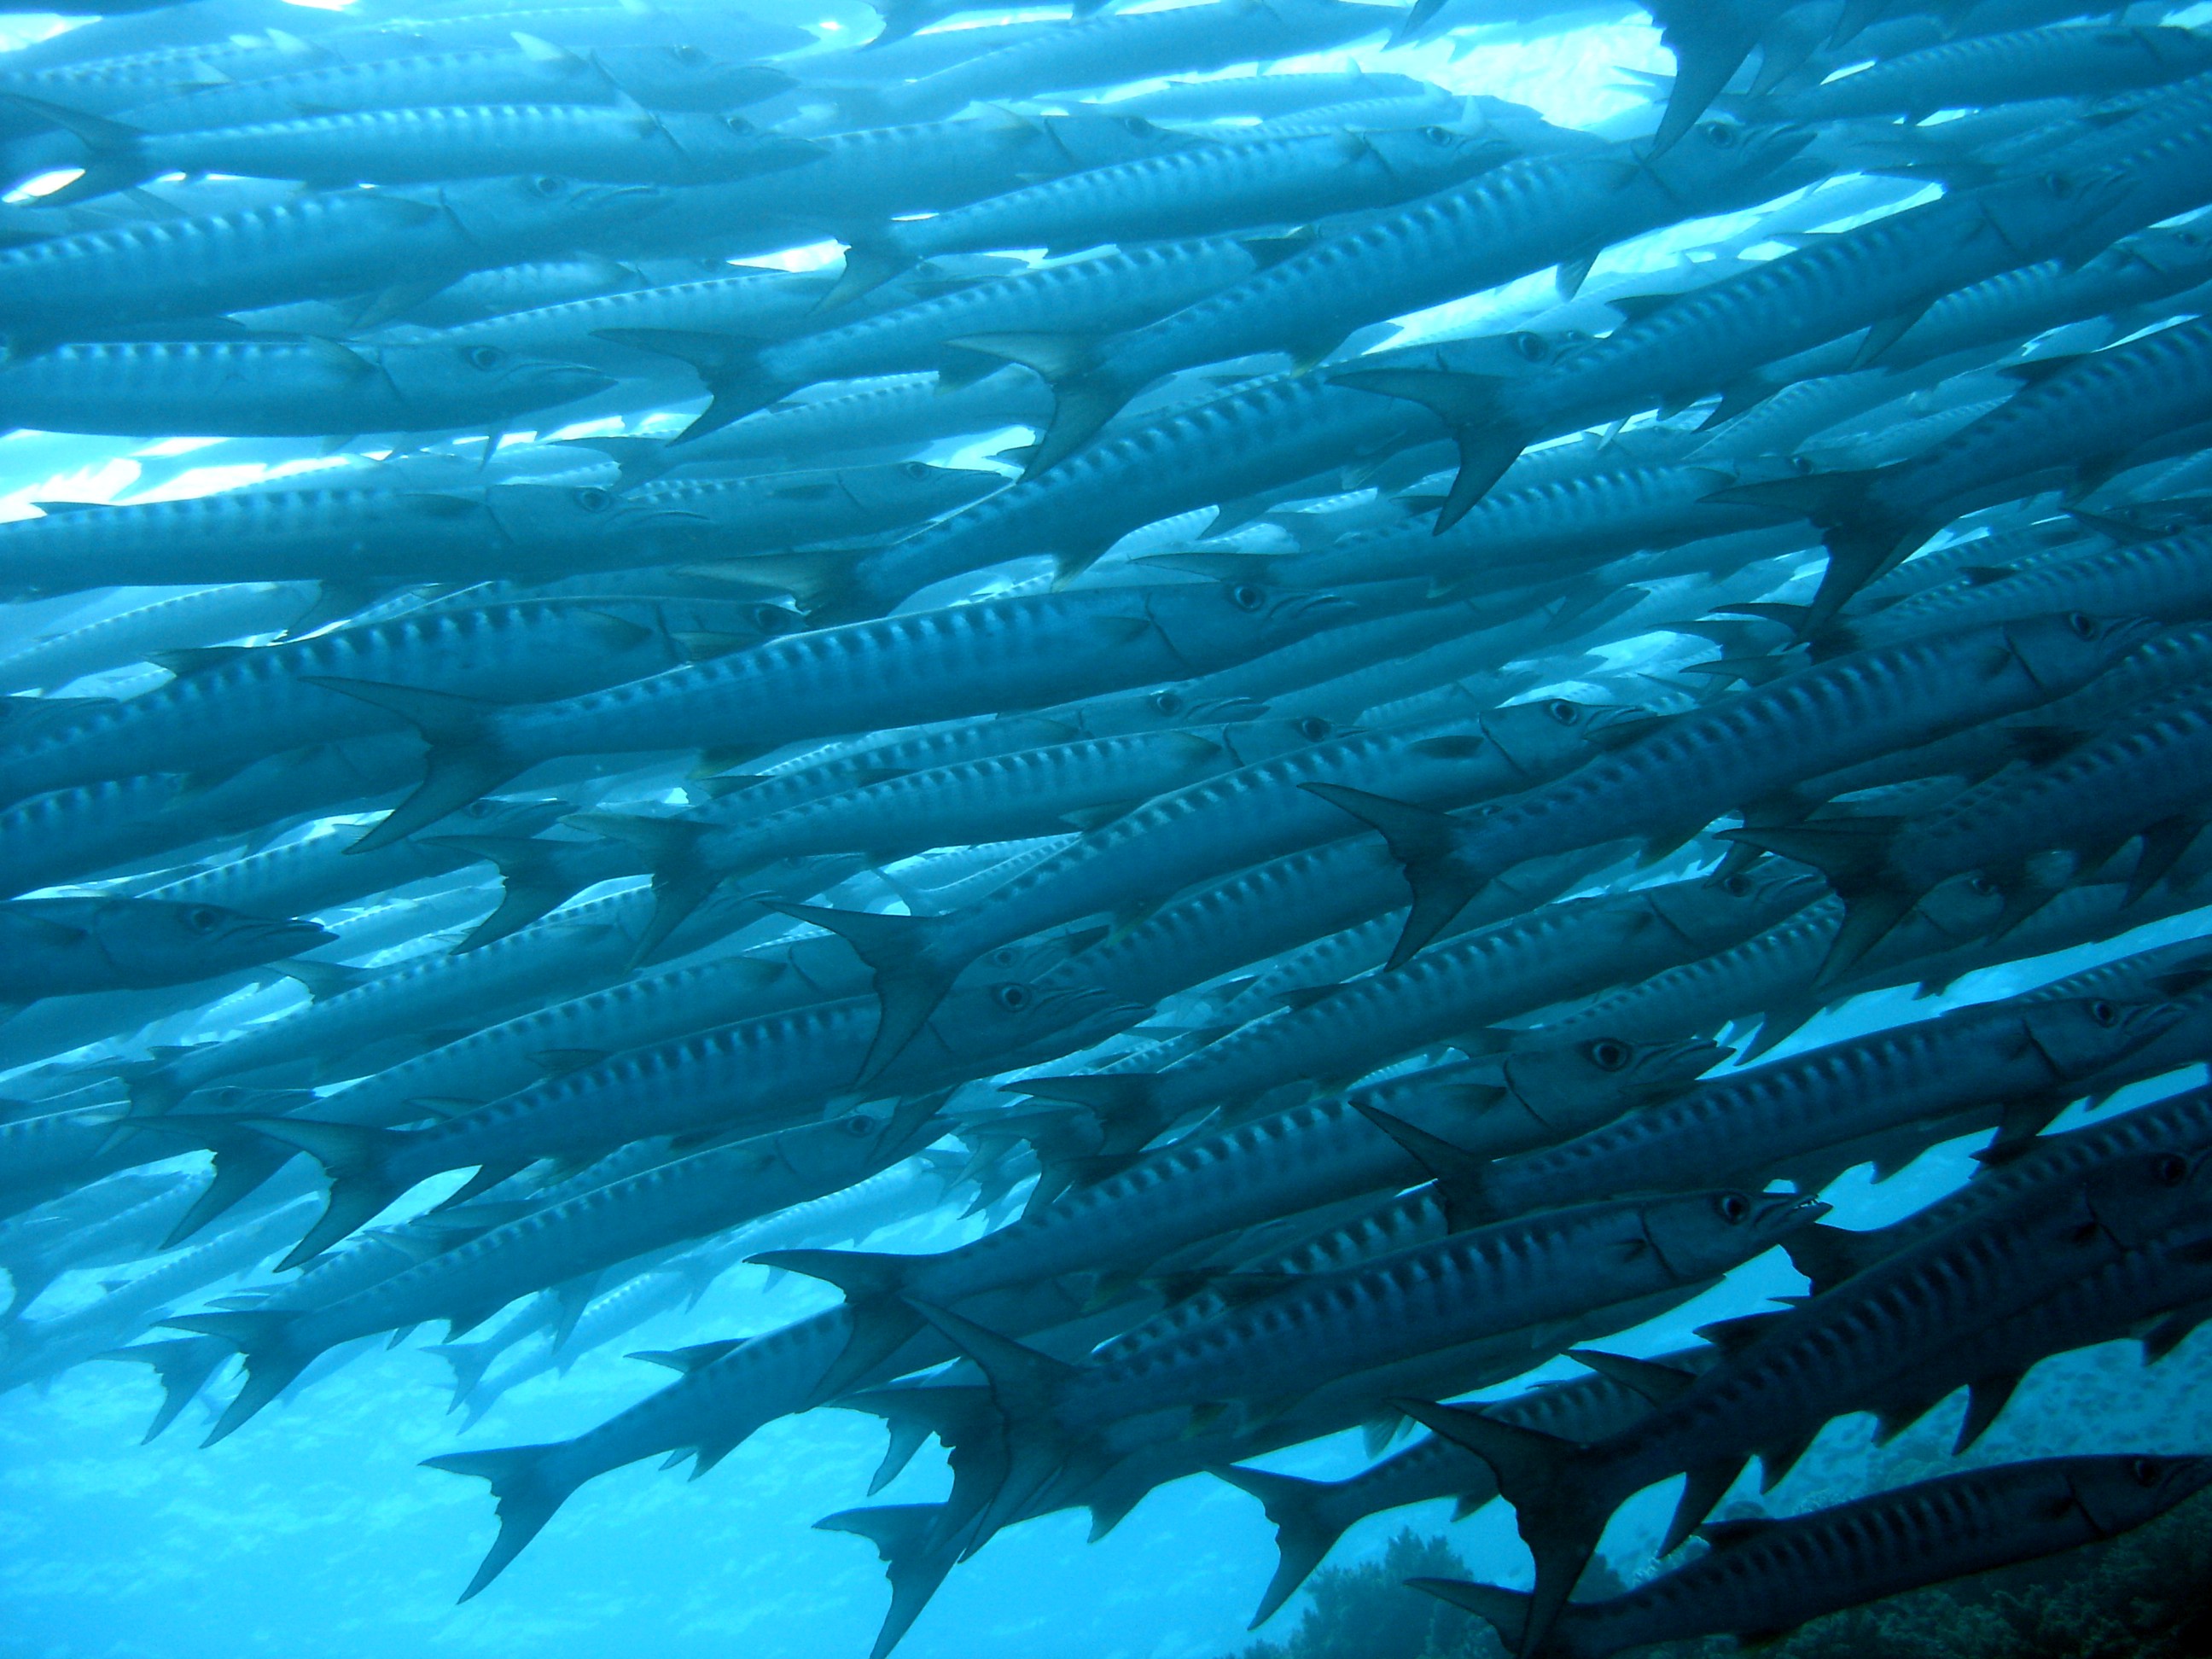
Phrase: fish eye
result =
(1011, 997)
(687, 54)
(1245, 596)
(1313, 728)
(2082, 626)
(1138, 124)
(2170, 1170)
(1981, 886)
(1534, 347)
(1166, 702)
(546, 184)
(1732, 1207)
(1607, 1053)
(1438, 135)
(1719, 135)
(592, 499)
(1737, 885)
(859, 1125)
(201, 919)
(484, 356)
(1563, 711)
(770, 617)
(2103, 1013)
(1802, 465)
(915, 468)
(2145, 1471)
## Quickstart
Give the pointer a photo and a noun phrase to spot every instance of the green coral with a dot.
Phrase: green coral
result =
(2146, 1596)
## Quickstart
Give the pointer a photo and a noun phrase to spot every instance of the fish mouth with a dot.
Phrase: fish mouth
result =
(1675, 1058)
(1298, 607)
(570, 379)
(1784, 1215)
(287, 938)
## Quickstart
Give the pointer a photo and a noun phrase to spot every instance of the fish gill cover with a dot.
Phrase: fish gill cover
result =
(1088, 796)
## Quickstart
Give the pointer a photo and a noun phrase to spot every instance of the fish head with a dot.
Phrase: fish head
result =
(1084, 142)
(869, 1136)
(2179, 252)
(1598, 1077)
(159, 941)
(1434, 157)
(2118, 1493)
(1720, 164)
(2080, 1037)
(1252, 741)
(2065, 652)
(687, 77)
(2137, 1195)
(502, 210)
(2180, 51)
(905, 491)
(1521, 355)
(1552, 736)
(486, 376)
(2055, 214)
(1155, 708)
(1962, 907)
(1701, 1235)
(1212, 624)
(1713, 914)
(997, 1020)
(503, 815)
(557, 515)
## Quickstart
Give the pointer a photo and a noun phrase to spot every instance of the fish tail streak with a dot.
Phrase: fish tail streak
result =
(531, 882)
(527, 1494)
(1473, 406)
(682, 881)
(355, 1158)
(469, 1361)
(1303, 1537)
(917, 1549)
(729, 366)
(1505, 1611)
(1424, 842)
(260, 1335)
(871, 259)
(464, 760)
(1535, 1473)
(910, 978)
(182, 1365)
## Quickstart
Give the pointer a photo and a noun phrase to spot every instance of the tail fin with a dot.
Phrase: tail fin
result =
(116, 158)
(1507, 1611)
(1862, 541)
(356, 1158)
(532, 882)
(1085, 392)
(469, 1361)
(464, 759)
(272, 1360)
(917, 1547)
(527, 1494)
(1425, 842)
(873, 1284)
(1026, 1447)
(183, 1364)
(872, 258)
(1709, 44)
(729, 366)
(1302, 1536)
(911, 979)
(1558, 1520)
(1853, 853)
(1472, 407)
(682, 881)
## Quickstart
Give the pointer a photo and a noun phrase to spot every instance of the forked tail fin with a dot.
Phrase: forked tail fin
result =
(911, 976)
(527, 1494)
(463, 758)
(1505, 1611)
(183, 1364)
(1862, 540)
(1474, 407)
(1086, 392)
(261, 1337)
(115, 155)
(1303, 1536)
(355, 1158)
(874, 1286)
(1425, 842)
(728, 367)
(918, 1546)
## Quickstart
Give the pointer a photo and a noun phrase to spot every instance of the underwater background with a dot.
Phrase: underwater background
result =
(316, 1531)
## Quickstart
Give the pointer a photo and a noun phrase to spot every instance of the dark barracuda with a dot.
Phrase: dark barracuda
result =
(1263, 811)
(1795, 1372)
(1516, 219)
(1766, 1576)
(1675, 782)
(1884, 274)
(1201, 191)
(278, 388)
(230, 704)
(936, 665)
(2080, 418)
(607, 145)
(67, 947)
